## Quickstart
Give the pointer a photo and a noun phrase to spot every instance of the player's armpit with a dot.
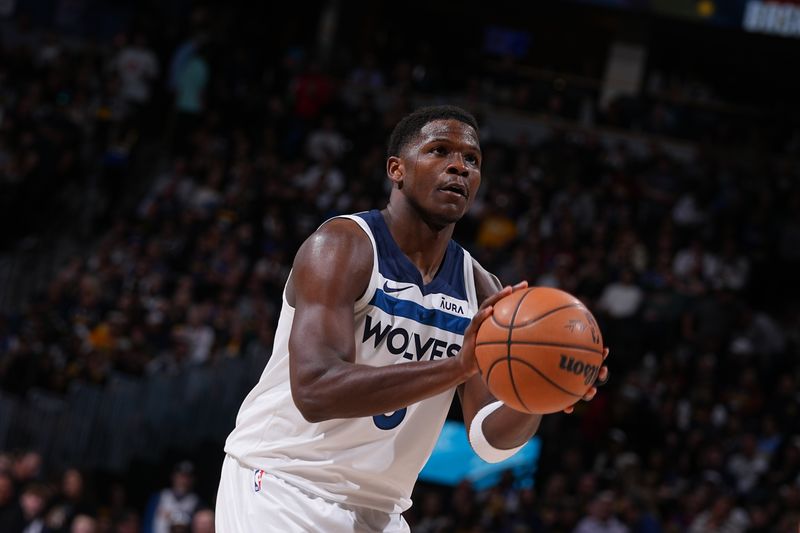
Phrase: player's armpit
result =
(486, 283)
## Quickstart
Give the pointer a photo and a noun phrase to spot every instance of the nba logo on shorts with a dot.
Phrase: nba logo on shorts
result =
(257, 477)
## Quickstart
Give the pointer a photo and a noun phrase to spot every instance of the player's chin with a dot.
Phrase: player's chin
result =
(449, 214)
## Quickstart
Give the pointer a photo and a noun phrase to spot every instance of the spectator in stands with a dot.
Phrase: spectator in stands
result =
(326, 141)
(747, 464)
(618, 313)
(365, 79)
(128, 521)
(70, 503)
(621, 299)
(733, 271)
(191, 77)
(197, 334)
(432, 519)
(83, 524)
(322, 182)
(709, 321)
(637, 516)
(26, 468)
(11, 517)
(497, 227)
(203, 521)
(34, 500)
(138, 67)
(723, 516)
(696, 261)
(600, 517)
(175, 504)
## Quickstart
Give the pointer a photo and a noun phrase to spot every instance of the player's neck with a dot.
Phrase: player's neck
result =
(424, 244)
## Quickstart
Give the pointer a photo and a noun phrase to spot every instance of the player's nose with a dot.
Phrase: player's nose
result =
(456, 165)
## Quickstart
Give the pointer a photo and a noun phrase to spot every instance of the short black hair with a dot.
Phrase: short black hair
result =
(410, 125)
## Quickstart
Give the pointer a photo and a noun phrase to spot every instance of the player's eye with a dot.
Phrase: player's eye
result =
(471, 159)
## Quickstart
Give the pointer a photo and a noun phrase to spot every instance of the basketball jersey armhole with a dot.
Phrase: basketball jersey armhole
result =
(365, 298)
(469, 281)
(284, 299)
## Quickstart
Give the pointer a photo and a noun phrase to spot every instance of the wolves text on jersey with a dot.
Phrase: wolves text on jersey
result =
(400, 341)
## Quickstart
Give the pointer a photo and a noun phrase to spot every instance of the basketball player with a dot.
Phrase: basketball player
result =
(376, 333)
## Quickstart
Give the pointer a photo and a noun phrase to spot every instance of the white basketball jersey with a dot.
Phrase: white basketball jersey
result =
(372, 461)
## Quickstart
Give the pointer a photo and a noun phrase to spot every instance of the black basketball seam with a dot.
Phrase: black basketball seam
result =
(547, 314)
(491, 367)
(553, 383)
(544, 376)
(498, 324)
(508, 347)
(553, 344)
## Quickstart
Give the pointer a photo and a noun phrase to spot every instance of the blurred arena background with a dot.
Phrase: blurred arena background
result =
(160, 162)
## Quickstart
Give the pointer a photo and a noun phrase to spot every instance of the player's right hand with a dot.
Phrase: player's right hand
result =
(467, 354)
(602, 379)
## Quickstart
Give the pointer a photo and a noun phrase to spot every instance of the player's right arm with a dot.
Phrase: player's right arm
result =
(331, 271)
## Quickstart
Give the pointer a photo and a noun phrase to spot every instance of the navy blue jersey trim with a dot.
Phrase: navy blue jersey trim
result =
(418, 313)
(395, 265)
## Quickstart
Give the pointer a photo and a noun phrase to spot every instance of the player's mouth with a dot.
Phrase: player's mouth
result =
(455, 188)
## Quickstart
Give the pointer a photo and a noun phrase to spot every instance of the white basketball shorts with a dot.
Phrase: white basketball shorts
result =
(251, 500)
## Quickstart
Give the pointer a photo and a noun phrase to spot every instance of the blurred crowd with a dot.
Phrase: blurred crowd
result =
(688, 266)
(33, 500)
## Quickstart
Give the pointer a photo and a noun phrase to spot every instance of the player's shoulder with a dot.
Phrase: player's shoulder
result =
(341, 230)
(337, 254)
(338, 237)
(486, 283)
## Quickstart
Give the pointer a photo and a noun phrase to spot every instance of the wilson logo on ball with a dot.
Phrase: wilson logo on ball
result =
(589, 372)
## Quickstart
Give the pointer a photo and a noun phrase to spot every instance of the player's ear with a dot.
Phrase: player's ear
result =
(395, 170)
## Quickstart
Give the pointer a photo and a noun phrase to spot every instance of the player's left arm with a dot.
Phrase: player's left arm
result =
(502, 430)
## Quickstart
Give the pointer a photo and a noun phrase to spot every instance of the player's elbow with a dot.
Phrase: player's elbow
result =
(311, 399)
(311, 410)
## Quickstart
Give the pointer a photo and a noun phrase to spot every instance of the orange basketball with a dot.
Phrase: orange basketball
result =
(540, 351)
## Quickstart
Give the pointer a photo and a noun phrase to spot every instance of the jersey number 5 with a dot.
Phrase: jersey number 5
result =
(390, 421)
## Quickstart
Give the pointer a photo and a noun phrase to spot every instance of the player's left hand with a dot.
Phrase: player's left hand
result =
(602, 379)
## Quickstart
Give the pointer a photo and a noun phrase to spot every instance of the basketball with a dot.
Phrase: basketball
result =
(540, 351)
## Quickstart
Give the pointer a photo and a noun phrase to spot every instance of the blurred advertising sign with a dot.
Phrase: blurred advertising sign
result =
(715, 12)
(453, 460)
(775, 18)
(624, 72)
(503, 41)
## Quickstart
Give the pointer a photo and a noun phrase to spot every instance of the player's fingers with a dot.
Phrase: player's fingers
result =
(519, 286)
(590, 394)
(606, 351)
(602, 376)
(569, 409)
(494, 298)
(482, 314)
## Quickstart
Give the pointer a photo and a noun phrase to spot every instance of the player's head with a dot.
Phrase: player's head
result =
(410, 126)
(434, 162)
